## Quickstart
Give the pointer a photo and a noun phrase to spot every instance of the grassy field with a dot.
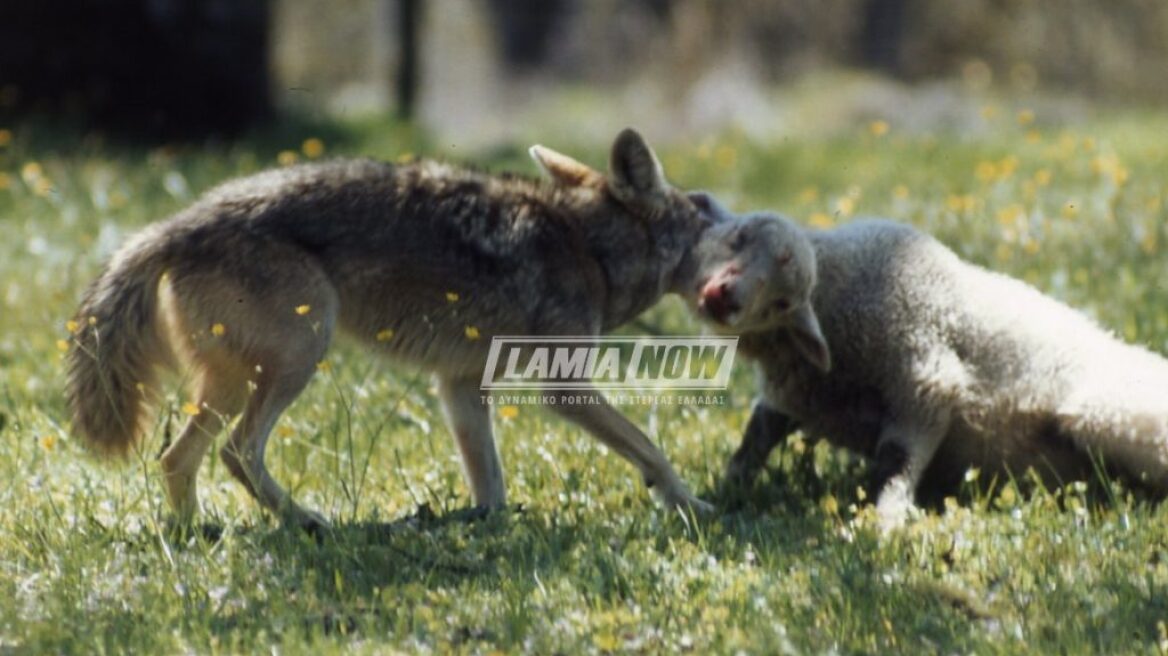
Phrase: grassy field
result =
(589, 564)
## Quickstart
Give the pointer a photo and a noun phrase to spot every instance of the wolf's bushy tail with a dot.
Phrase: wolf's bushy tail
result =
(116, 347)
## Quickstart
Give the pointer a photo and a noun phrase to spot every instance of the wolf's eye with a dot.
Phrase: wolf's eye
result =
(738, 241)
(782, 305)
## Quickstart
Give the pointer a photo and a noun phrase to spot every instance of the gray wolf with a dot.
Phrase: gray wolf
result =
(423, 262)
(879, 338)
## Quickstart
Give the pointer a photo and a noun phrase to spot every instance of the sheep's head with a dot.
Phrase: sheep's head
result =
(752, 273)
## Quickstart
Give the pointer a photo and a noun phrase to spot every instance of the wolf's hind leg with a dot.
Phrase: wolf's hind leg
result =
(470, 422)
(278, 385)
(253, 326)
(220, 396)
(286, 357)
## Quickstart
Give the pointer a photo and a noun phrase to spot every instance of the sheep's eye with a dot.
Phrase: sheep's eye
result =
(782, 305)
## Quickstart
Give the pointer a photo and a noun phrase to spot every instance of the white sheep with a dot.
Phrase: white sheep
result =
(879, 338)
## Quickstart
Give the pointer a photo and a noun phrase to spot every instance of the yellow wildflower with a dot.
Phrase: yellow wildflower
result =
(312, 148)
(821, 220)
(1007, 166)
(725, 156)
(606, 641)
(1149, 242)
(986, 171)
(845, 206)
(961, 203)
(829, 504)
(31, 171)
(1011, 215)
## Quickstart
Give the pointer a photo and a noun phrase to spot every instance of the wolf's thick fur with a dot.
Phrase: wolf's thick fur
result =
(423, 262)
(927, 363)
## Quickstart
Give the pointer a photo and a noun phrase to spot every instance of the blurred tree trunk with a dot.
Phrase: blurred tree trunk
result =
(409, 20)
(524, 29)
(883, 31)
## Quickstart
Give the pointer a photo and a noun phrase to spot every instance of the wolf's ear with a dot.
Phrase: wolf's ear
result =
(808, 338)
(634, 172)
(564, 169)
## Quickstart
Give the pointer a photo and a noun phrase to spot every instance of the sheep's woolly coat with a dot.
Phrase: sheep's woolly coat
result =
(931, 352)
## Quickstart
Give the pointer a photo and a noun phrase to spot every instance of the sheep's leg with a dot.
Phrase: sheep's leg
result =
(766, 428)
(903, 453)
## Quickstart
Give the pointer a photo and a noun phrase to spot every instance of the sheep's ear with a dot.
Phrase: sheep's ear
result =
(634, 172)
(710, 209)
(808, 338)
(564, 169)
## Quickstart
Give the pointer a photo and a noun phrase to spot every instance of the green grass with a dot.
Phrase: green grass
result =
(590, 564)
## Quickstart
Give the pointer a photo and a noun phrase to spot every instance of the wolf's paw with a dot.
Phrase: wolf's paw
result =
(689, 504)
(309, 521)
(181, 529)
(481, 512)
(699, 508)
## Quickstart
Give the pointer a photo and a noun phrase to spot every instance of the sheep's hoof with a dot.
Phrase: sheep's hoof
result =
(893, 513)
(741, 472)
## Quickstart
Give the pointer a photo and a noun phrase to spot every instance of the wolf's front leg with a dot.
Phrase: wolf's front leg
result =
(766, 428)
(610, 427)
(470, 422)
(903, 453)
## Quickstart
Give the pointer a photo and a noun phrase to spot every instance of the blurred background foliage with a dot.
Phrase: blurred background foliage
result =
(475, 69)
